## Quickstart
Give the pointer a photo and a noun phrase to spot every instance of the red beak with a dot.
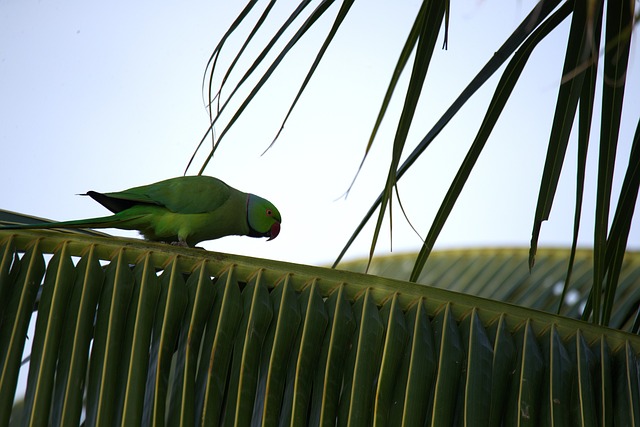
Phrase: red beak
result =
(275, 230)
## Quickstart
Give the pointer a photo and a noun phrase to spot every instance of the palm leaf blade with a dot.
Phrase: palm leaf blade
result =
(557, 386)
(341, 326)
(477, 375)
(247, 350)
(145, 297)
(298, 394)
(342, 13)
(504, 359)
(57, 287)
(7, 267)
(605, 382)
(621, 226)
(277, 348)
(13, 334)
(626, 411)
(417, 372)
(618, 33)
(360, 369)
(316, 14)
(108, 341)
(201, 292)
(451, 355)
(428, 21)
(524, 404)
(393, 351)
(217, 348)
(76, 341)
(579, 47)
(583, 383)
(166, 328)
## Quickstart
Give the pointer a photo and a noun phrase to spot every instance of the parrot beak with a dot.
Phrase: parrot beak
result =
(275, 230)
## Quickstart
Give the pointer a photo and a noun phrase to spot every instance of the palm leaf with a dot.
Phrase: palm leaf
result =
(428, 23)
(342, 13)
(505, 86)
(580, 48)
(585, 116)
(215, 55)
(618, 34)
(502, 274)
(621, 224)
(575, 94)
(29, 270)
(304, 27)
(520, 34)
(242, 338)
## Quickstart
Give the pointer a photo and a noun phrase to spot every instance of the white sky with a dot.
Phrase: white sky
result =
(108, 96)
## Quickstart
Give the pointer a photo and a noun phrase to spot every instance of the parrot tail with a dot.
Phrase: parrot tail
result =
(111, 221)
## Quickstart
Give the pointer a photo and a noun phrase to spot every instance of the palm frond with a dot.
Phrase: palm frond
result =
(583, 37)
(300, 32)
(576, 90)
(193, 337)
(513, 42)
(618, 32)
(428, 22)
(509, 79)
(502, 274)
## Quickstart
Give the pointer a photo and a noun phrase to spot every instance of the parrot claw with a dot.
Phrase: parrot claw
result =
(180, 243)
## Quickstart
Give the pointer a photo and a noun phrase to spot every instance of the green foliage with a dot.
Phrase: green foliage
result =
(502, 274)
(137, 333)
(575, 102)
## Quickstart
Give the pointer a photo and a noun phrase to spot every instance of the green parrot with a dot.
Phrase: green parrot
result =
(184, 211)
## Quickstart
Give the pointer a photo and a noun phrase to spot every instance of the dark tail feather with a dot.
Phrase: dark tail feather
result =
(114, 204)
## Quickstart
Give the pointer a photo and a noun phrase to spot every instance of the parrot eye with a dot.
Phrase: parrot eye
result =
(269, 213)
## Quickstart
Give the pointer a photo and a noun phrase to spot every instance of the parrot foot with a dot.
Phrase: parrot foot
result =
(180, 243)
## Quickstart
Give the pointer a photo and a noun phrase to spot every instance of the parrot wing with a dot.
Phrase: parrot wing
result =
(184, 195)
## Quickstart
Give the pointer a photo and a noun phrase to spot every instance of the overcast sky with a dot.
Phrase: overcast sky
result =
(97, 96)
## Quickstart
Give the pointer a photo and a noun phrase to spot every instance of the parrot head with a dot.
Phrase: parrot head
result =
(263, 218)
